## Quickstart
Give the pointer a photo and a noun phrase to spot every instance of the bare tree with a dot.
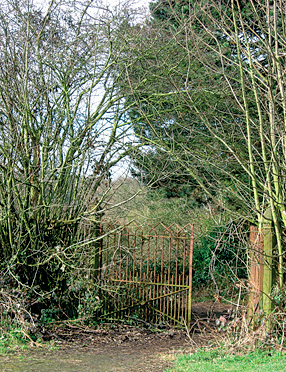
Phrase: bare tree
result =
(63, 127)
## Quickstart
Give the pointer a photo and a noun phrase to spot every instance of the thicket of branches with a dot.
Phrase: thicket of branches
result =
(63, 127)
(209, 80)
(200, 85)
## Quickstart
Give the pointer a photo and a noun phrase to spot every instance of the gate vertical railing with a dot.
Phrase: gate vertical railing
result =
(147, 272)
(190, 276)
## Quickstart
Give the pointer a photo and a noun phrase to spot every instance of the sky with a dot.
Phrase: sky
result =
(121, 169)
(143, 4)
(136, 3)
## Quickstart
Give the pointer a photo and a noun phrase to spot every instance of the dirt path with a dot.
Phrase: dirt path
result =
(115, 348)
(121, 359)
(127, 352)
(155, 355)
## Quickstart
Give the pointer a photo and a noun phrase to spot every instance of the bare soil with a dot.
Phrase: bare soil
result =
(119, 348)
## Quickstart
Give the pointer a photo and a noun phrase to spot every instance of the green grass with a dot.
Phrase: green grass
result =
(219, 361)
(12, 341)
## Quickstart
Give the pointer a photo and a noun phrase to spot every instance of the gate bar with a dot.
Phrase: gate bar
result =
(150, 283)
(190, 277)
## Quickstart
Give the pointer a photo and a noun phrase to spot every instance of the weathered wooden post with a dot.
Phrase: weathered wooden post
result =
(261, 278)
(256, 269)
(267, 262)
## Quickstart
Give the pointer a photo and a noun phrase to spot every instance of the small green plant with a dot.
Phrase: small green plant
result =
(13, 339)
(87, 308)
(49, 315)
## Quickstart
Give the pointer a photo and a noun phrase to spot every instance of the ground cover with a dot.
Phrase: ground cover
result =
(218, 360)
(145, 348)
(111, 347)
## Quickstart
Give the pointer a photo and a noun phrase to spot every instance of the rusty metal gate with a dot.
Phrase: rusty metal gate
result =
(146, 272)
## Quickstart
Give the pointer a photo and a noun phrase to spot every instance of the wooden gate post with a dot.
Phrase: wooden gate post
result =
(256, 269)
(261, 267)
(267, 262)
(190, 277)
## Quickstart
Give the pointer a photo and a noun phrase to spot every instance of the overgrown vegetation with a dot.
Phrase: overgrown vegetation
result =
(63, 128)
(211, 114)
(193, 97)
(220, 257)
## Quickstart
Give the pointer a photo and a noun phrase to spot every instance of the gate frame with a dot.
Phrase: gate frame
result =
(181, 287)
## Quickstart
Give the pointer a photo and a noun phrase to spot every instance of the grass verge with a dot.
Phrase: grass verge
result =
(12, 341)
(217, 360)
